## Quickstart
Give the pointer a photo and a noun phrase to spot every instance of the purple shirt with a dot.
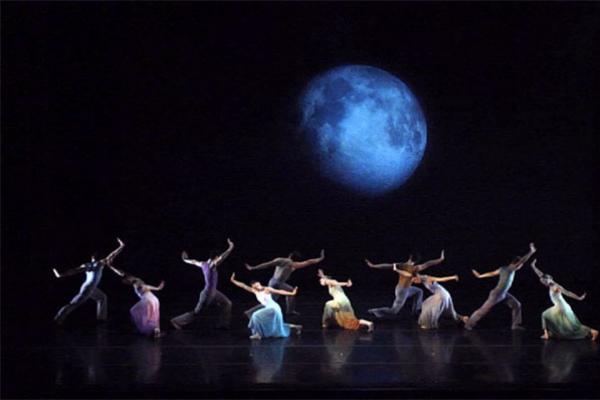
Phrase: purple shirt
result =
(211, 276)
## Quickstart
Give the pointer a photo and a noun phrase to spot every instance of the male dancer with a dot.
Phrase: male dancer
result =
(89, 289)
(209, 295)
(404, 288)
(500, 292)
(283, 269)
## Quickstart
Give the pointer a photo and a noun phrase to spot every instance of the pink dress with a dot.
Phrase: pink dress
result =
(146, 312)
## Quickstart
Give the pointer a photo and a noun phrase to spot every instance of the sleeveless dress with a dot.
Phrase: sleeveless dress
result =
(146, 312)
(436, 305)
(268, 321)
(339, 310)
(560, 320)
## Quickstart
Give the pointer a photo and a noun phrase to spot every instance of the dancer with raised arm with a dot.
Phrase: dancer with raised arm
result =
(339, 311)
(559, 321)
(439, 304)
(146, 312)
(209, 295)
(404, 290)
(500, 293)
(284, 266)
(268, 321)
(89, 289)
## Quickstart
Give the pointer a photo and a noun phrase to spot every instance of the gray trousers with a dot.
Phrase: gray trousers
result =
(84, 295)
(207, 298)
(493, 299)
(402, 294)
(290, 301)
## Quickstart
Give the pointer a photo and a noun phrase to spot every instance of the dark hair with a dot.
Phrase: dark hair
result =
(214, 254)
(295, 255)
(253, 282)
(515, 259)
(94, 255)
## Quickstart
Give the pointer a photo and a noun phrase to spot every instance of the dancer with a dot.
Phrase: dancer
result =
(89, 289)
(500, 292)
(268, 321)
(283, 269)
(559, 321)
(339, 310)
(209, 295)
(438, 304)
(146, 312)
(404, 290)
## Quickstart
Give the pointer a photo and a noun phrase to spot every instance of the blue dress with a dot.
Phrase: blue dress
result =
(560, 320)
(437, 305)
(268, 321)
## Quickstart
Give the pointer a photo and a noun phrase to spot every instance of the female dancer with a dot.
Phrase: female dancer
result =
(559, 321)
(339, 310)
(500, 293)
(146, 312)
(209, 295)
(404, 290)
(89, 289)
(438, 304)
(268, 321)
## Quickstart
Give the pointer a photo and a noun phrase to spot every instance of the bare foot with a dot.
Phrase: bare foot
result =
(256, 336)
(594, 334)
(371, 327)
(324, 326)
(158, 333)
(545, 336)
(464, 319)
(298, 330)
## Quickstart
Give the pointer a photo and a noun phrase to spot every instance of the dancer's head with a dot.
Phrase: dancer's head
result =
(94, 256)
(294, 255)
(417, 279)
(547, 279)
(410, 261)
(214, 254)
(256, 286)
(515, 261)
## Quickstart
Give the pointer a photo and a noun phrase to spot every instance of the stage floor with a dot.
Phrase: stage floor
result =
(397, 359)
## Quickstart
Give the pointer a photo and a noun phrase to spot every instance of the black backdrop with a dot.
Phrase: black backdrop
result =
(172, 126)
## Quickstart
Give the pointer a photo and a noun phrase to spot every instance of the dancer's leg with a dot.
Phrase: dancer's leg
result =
(188, 317)
(515, 306)
(491, 301)
(101, 304)
(224, 305)
(418, 298)
(401, 296)
(75, 302)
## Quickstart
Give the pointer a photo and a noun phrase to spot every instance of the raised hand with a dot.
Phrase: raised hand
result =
(349, 283)
(161, 285)
(248, 267)
(456, 277)
(120, 242)
(232, 279)
(295, 291)
(322, 254)
(56, 272)
(532, 248)
(229, 242)
(369, 263)
(184, 255)
(442, 256)
(477, 274)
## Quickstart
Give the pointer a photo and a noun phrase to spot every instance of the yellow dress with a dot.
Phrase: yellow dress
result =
(339, 310)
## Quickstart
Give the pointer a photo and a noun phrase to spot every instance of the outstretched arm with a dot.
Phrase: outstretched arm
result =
(117, 271)
(535, 269)
(526, 257)
(571, 294)
(444, 278)
(379, 266)
(155, 288)
(306, 263)
(186, 259)
(69, 272)
(431, 263)
(240, 284)
(110, 258)
(265, 265)
(283, 292)
(487, 274)
(225, 254)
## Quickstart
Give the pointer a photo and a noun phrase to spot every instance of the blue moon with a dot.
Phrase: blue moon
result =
(365, 128)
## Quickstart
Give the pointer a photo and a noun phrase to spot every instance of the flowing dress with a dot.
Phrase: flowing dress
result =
(146, 312)
(560, 320)
(339, 310)
(268, 321)
(437, 305)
